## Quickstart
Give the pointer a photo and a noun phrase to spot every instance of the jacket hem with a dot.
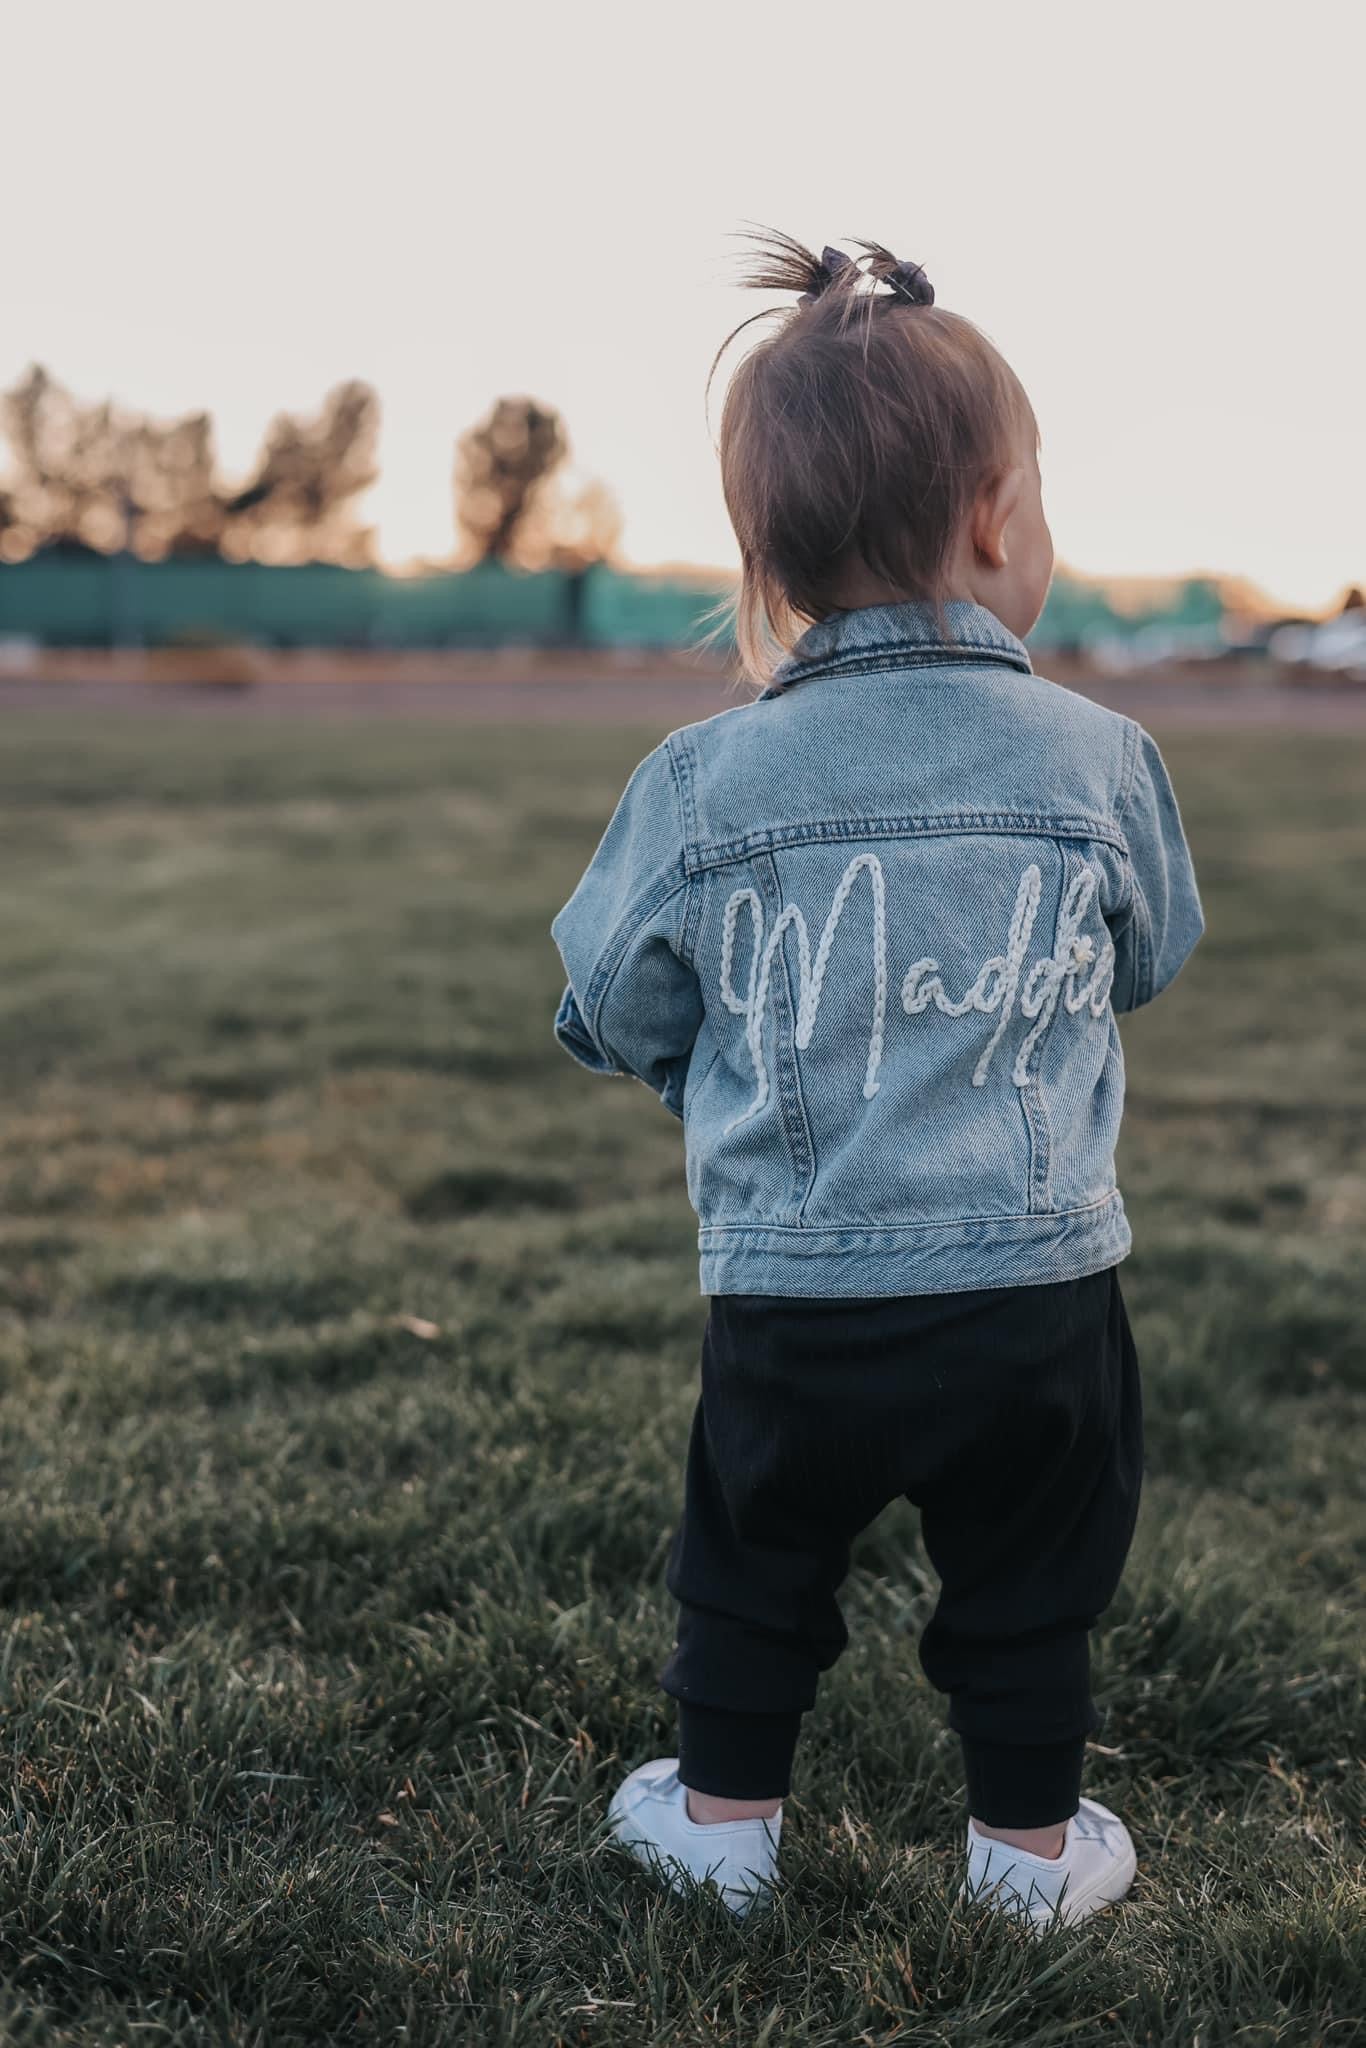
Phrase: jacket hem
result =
(919, 1258)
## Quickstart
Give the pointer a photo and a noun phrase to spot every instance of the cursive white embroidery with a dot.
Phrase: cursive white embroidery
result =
(1070, 955)
(995, 988)
(922, 983)
(810, 978)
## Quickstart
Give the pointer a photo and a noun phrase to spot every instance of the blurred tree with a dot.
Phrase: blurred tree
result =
(58, 491)
(169, 473)
(298, 505)
(11, 532)
(570, 528)
(501, 466)
(513, 504)
(93, 476)
(102, 478)
(572, 531)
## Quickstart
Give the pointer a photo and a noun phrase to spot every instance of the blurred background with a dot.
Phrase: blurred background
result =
(322, 333)
(358, 511)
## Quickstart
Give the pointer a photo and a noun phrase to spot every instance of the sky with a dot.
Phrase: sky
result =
(1156, 212)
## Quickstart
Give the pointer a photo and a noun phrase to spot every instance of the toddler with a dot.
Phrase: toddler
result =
(866, 936)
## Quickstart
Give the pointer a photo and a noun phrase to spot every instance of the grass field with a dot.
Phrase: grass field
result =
(347, 1350)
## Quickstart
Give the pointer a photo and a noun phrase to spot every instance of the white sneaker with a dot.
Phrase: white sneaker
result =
(1096, 1867)
(649, 1816)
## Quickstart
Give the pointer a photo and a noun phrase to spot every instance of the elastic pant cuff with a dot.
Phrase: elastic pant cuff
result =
(1023, 1786)
(736, 1756)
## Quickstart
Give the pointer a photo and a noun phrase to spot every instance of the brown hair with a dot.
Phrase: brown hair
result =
(859, 434)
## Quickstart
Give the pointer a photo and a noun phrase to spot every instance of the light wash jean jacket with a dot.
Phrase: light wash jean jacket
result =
(866, 936)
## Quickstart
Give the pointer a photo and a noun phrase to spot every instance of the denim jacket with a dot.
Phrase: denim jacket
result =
(866, 935)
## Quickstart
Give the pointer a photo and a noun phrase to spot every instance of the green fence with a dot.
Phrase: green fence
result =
(81, 600)
(1084, 613)
(91, 600)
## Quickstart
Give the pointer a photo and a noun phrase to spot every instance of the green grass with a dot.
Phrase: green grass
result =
(323, 1638)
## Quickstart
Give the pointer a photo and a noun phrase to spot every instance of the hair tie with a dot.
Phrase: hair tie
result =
(909, 282)
(832, 262)
(906, 281)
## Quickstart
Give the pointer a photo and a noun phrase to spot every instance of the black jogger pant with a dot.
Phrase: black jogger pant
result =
(1011, 1417)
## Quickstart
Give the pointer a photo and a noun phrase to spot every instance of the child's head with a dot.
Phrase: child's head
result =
(876, 448)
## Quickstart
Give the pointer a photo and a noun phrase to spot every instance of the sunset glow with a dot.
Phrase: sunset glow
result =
(1156, 214)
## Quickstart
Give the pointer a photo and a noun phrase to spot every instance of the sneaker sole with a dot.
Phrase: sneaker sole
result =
(659, 1863)
(1076, 1906)
(1106, 1891)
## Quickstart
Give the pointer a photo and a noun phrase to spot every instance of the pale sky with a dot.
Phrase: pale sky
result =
(1158, 212)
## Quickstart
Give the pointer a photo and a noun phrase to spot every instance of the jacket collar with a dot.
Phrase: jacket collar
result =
(892, 636)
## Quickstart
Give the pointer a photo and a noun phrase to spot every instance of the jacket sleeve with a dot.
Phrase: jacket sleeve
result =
(633, 1004)
(1166, 921)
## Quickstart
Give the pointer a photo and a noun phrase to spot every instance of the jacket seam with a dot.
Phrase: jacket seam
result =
(899, 655)
(787, 1072)
(1143, 961)
(679, 755)
(680, 762)
(605, 973)
(1033, 1097)
(1128, 770)
(698, 857)
(810, 1230)
(690, 923)
(800, 1119)
(1039, 1131)
(653, 901)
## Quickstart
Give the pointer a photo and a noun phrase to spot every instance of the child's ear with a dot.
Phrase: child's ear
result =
(991, 515)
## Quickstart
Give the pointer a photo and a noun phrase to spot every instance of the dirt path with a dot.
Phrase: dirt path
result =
(493, 690)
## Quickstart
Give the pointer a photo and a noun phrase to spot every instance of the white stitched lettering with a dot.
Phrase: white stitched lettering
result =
(1070, 956)
(997, 989)
(917, 992)
(811, 979)
(747, 899)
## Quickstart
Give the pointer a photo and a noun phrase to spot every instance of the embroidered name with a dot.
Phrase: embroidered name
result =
(999, 985)
(754, 1003)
